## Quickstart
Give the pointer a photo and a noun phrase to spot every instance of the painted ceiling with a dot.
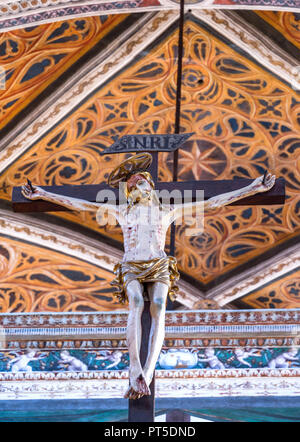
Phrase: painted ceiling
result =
(72, 85)
(21, 13)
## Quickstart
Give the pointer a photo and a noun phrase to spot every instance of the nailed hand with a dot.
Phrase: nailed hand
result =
(31, 192)
(264, 182)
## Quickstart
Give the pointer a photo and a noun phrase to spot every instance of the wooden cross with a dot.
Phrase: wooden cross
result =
(142, 410)
(211, 188)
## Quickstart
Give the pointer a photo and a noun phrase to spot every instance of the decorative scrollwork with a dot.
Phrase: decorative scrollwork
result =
(32, 279)
(284, 293)
(32, 56)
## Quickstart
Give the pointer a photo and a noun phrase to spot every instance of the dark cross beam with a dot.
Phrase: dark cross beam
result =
(275, 196)
(152, 144)
(126, 144)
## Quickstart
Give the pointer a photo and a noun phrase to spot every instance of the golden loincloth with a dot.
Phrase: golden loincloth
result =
(155, 270)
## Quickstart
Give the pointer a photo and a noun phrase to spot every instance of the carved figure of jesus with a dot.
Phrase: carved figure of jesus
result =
(145, 266)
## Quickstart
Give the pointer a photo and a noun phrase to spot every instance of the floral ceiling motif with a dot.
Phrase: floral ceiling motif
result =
(32, 58)
(284, 293)
(32, 279)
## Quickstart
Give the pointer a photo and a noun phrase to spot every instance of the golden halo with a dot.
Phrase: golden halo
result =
(137, 163)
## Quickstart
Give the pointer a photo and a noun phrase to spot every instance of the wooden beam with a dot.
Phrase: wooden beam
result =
(275, 196)
(143, 409)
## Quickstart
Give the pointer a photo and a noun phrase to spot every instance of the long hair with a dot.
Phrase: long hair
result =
(148, 177)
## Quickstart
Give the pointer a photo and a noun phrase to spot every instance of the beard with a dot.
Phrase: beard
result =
(136, 196)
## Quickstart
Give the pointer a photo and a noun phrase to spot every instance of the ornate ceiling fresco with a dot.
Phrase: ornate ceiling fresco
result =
(21, 13)
(284, 293)
(286, 24)
(31, 279)
(76, 84)
(35, 57)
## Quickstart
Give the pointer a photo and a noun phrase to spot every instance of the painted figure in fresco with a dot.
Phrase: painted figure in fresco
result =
(21, 363)
(286, 359)
(72, 363)
(145, 267)
(241, 354)
(212, 359)
(114, 358)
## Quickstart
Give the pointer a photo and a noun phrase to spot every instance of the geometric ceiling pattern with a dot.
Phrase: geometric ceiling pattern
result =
(282, 293)
(31, 280)
(245, 119)
(35, 57)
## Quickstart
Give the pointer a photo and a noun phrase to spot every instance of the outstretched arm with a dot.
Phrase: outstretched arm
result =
(34, 193)
(261, 184)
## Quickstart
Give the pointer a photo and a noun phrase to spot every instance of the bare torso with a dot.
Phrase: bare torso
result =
(144, 229)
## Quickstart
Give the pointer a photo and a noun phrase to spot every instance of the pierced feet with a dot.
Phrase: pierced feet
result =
(137, 388)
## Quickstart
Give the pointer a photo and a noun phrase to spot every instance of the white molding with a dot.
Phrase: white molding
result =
(169, 383)
(197, 331)
(257, 276)
(52, 11)
(266, 320)
(59, 239)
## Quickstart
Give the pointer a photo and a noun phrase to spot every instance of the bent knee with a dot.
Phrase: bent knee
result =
(137, 301)
(135, 298)
(158, 304)
(135, 295)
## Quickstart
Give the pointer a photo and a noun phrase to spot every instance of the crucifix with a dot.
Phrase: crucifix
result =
(144, 219)
(146, 270)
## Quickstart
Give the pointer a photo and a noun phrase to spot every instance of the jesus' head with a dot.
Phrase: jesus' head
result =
(139, 187)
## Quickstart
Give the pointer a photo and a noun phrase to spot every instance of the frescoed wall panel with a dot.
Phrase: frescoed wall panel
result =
(255, 353)
(172, 359)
